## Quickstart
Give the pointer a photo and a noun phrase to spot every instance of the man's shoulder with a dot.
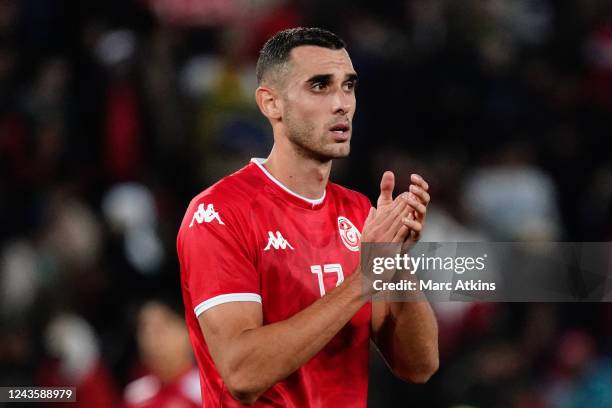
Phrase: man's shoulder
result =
(233, 191)
(230, 197)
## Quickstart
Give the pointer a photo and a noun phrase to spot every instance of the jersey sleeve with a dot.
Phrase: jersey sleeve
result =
(216, 264)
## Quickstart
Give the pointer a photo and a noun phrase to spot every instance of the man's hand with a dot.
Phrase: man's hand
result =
(417, 199)
(395, 221)
(387, 224)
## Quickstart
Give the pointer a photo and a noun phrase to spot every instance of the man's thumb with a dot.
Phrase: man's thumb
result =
(387, 184)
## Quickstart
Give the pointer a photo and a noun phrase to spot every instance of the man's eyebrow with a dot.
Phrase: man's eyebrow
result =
(326, 78)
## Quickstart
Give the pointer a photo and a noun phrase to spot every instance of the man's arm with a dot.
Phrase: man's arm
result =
(406, 333)
(251, 357)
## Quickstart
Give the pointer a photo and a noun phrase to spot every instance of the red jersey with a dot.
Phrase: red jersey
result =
(150, 392)
(249, 238)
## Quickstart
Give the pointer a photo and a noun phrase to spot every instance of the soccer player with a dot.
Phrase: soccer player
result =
(269, 255)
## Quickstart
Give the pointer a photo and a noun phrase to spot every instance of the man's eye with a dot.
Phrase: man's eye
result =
(319, 86)
(350, 85)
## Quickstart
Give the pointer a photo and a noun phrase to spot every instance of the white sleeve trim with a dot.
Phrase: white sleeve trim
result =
(229, 297)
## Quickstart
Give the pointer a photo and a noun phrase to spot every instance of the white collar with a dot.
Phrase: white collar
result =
(259, 162)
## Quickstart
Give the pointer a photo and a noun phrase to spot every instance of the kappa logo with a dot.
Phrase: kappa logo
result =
(349, 233)
(205, 215)
(277, 241)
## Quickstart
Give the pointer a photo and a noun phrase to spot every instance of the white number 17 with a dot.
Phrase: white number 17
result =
(327, 268)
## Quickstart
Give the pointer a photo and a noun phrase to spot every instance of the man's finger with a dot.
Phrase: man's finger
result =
(417, 179)
(417, 206)
(412, 237)
(420, 193)
(398, 219)
(414, 225)
(403, 232)
(394, 214)
(387, 184)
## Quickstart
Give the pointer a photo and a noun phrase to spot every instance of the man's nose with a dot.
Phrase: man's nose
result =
(342, 102)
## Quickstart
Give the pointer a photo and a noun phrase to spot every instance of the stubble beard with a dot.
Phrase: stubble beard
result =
(307, 143)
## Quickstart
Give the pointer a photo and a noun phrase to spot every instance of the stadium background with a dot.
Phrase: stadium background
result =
(114, 114)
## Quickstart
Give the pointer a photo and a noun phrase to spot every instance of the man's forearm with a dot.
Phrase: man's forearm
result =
(409, 340)
(262, 356)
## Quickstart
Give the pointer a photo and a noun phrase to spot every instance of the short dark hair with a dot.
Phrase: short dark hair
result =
(277, 49)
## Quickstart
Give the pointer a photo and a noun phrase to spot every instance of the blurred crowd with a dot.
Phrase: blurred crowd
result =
(114, 114)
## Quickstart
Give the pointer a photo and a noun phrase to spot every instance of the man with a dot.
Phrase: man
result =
(270, 254)
(172, 381)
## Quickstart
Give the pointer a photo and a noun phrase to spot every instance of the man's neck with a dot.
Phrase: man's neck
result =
(304, 176)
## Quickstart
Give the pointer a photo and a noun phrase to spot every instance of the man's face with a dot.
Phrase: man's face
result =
(162, 337)
(319, 102)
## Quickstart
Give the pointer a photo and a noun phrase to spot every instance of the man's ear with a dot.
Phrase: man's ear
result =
(269, 103)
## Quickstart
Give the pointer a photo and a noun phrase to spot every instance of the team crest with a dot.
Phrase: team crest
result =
(349, 233)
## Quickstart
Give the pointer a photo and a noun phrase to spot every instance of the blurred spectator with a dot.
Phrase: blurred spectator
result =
(513, 201)
(598, 51)
(74, 360)
(574, 357)
(20, 279)
(123, 153)
(163, 343)
(131, 212)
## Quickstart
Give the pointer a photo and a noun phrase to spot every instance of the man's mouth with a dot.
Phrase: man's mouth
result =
(341, 132)
(340, 128)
